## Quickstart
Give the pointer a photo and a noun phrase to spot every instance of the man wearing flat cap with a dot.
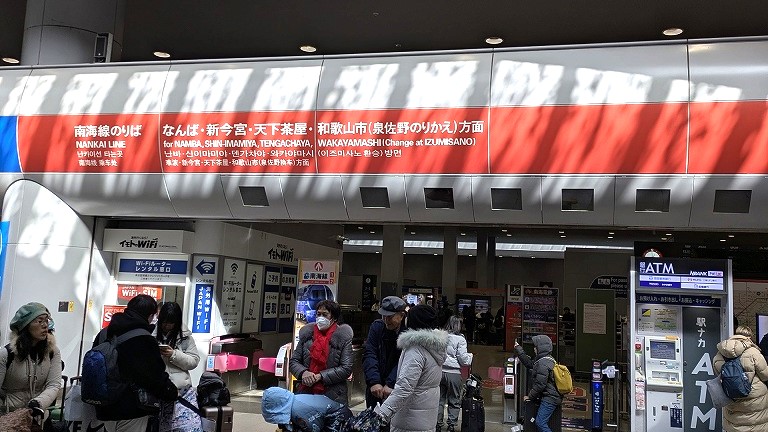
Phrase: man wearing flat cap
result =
(381, 351)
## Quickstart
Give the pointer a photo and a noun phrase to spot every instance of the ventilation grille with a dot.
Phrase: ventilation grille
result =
(506, 199)
(652, 200)
(374, 197)
(732, 201)
(578, 200)
(438, 198)
(254, 196)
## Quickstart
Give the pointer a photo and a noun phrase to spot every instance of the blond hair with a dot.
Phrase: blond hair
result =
(744, 331)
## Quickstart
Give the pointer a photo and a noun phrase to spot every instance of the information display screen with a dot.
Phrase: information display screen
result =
(662, 350)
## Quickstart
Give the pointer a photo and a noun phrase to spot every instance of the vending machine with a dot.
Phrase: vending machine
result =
(680, 310)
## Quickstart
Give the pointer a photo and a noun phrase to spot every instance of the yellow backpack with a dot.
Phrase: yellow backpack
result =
(562, 378)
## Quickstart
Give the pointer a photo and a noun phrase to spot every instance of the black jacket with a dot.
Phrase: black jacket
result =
(140, 363)
(381, 354)
(540, 379)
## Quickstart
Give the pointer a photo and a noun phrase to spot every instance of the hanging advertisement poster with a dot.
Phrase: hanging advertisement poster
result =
(318, 280)
(254, 276)
(230, 298)
(287, 298)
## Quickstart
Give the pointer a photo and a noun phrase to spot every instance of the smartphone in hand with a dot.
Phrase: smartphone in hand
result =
(164, 345)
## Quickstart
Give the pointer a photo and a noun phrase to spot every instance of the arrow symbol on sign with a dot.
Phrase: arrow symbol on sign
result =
(318, 266)
(206, 267)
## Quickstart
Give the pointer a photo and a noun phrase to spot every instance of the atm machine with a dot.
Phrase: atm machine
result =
(663, 366)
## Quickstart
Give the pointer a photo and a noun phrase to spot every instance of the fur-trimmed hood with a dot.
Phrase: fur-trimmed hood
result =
(50, 349)
(434, 341)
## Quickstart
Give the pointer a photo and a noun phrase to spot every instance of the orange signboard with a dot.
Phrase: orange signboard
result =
(127, 292)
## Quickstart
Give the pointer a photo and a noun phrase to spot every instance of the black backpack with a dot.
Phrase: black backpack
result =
(212, 392)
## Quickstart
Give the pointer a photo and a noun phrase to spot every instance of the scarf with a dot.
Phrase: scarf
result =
(318, 355)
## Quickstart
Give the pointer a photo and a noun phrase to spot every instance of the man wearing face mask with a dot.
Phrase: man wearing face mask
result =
(381, 351)
(322, 360)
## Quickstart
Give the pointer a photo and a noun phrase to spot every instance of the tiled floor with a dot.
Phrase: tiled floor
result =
(248, 408)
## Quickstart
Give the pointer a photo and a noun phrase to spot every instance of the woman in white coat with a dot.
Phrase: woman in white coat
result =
(450, 386)
(412, 405)
(180, 355)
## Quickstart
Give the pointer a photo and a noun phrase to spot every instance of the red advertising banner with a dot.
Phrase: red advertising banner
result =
(103, 143)
(242, 142)
(417, 141)
(729, 138)
(108, 311)
(127, 292)
(589, 139)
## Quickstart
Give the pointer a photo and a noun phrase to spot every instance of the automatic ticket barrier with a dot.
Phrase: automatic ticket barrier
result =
(510, 391)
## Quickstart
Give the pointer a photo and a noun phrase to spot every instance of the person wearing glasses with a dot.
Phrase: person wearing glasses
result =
(30, 365)
(322, 360)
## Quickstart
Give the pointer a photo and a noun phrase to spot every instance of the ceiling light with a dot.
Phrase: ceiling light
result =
(610, 237)
(11, 60)
(562, 236)
(413, 232)
(533, 257)
(722, 239)
(434, 254)
(372, 232)
(308, 48)
(672, 31)
(610, 233)
(663, 238)
(503, 230)
(499, 256)
(668, 235)
(509, 235)
(470, 254)
(561, 232)
(493, 40)
(359, 227)
(161, 54)
(405, 253)
(463, 233)
(378, 251)
(730, 236)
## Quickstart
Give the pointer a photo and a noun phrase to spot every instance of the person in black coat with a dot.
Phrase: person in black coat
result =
(542, 389)
(140, 363)
(381, 352)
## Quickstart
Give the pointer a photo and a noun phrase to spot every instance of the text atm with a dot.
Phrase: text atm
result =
(663, 383)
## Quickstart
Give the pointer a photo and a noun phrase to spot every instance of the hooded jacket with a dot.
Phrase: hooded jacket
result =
(24, 380)
(140, 363)
(304, 412)
(413, 404)
(338, 367)
(184, 358)
(749, 413)
(456, 354)
(542, 383)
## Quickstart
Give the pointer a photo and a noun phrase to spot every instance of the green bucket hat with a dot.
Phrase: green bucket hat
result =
(26, 314)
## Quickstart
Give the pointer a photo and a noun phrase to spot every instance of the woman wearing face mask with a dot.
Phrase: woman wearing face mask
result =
(322, 360)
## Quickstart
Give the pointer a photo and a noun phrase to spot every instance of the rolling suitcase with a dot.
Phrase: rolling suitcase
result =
(222, 415)
(472, 407)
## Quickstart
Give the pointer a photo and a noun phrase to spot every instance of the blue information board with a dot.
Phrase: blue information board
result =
(203, 302)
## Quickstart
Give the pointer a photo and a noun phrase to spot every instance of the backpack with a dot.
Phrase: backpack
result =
(734, 380)
(562, 378)
(211, 391)
(100, 382)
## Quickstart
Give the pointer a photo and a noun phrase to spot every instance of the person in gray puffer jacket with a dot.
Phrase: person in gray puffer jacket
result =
(542, 388)
(412, 406)
(322, 360)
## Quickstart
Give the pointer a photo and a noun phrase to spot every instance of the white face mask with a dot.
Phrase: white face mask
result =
(323, 323)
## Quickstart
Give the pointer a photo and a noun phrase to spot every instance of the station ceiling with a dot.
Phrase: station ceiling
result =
(207, 29)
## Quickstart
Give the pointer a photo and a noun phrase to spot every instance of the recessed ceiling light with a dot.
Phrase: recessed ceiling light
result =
(509, 235)
(533, 257)
(463, 233)
(405, 253)
(503, 230)
(562, 236)
(561, 232)
(378, 251)
(413, 232)
(668, 235)
(493, 40)
(663, 238)
(161, 54)
(359, 227)
(11, 60)
(672, 31)
(722, 239)
(499, 256)
(372, 232)
(610, 237)
(434, 254)
(308, 48)
(470, 254)
(730, 236)
(610, 233)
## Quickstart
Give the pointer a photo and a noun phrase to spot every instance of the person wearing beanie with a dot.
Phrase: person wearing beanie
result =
(413, 404)
(30, 367)
(303, 412)
(542, 389)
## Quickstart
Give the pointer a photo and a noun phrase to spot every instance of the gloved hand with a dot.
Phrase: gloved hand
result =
(32, 404)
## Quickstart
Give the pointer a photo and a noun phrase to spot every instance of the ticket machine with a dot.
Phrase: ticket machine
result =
(663, 367)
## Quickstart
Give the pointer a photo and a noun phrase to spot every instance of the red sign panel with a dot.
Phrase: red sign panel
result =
(104, 143)
(127, 292)
(589, 139)
(417, 141)
(109, 310)
(244, 142)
